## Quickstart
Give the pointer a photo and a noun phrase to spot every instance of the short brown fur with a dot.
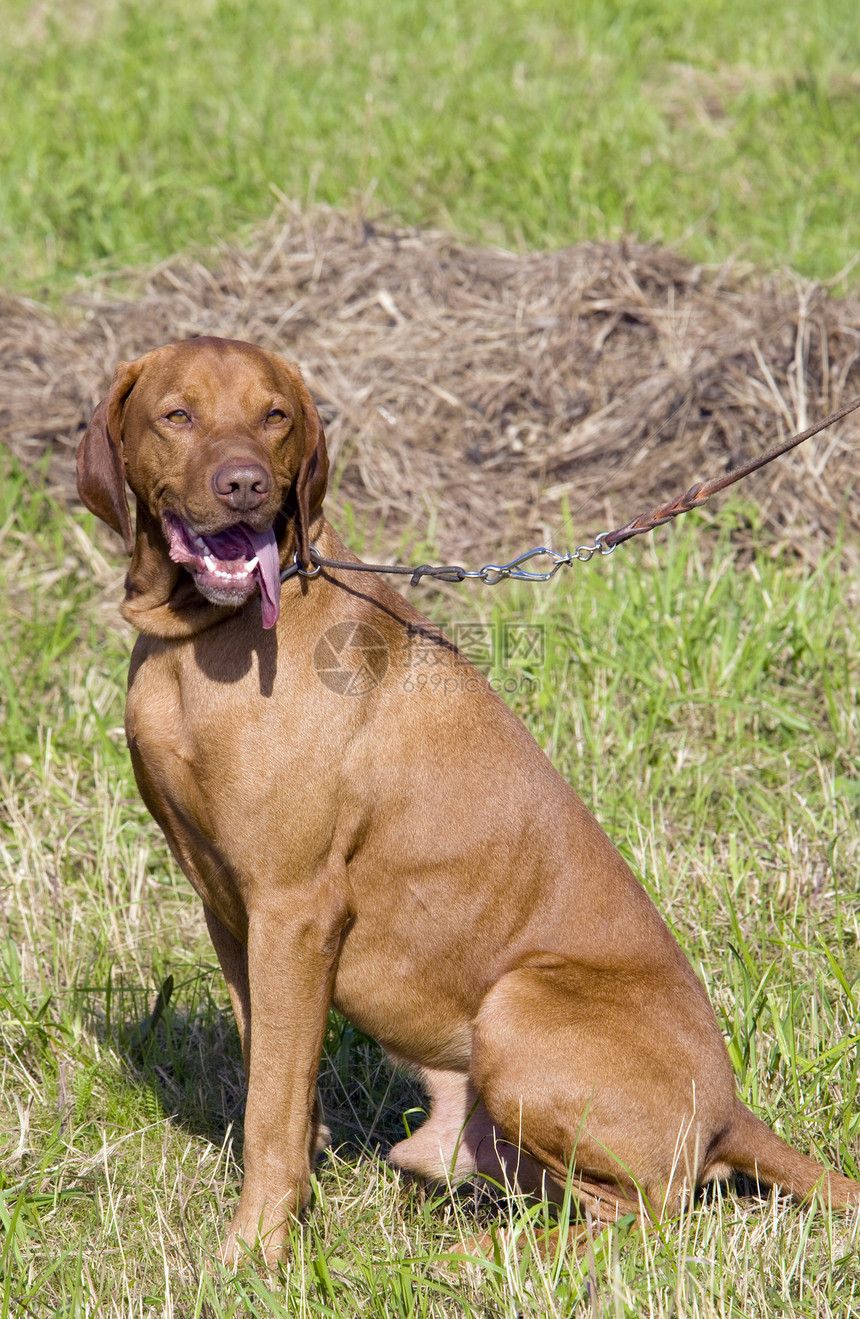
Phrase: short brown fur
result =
(405, 852)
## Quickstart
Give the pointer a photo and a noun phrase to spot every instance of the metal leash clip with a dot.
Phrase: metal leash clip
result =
(585, 552)
(493, 573)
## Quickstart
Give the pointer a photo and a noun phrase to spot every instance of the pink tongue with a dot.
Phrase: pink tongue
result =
(268, 570)
(242, 542)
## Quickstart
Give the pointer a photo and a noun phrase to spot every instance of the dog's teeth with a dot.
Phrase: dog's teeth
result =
(251, 564)
(200, 542)
(210, 563)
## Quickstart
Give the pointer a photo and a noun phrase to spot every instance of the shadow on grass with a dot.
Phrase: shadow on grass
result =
(179, 1044)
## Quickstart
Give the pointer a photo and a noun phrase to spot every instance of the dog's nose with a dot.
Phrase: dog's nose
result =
(242, 486)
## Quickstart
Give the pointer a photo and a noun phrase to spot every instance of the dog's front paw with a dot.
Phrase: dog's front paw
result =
(259, 1227)
(245, 1243)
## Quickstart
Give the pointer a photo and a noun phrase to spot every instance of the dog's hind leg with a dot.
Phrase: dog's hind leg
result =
(459, 1139)
(619, 1083)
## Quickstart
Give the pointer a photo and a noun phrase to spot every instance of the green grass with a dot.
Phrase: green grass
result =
(131, 131)
(704, 706)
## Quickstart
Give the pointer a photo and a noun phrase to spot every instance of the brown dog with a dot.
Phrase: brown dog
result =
(396, 846)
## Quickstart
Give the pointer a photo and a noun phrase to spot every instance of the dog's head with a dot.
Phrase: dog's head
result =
(224, 450)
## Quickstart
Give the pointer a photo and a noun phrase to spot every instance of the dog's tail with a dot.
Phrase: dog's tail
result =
(749, 1146)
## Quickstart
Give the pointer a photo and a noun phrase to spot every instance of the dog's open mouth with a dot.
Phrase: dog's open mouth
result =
(229, 565)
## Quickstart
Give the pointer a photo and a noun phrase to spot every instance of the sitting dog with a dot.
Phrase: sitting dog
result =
(399, 848)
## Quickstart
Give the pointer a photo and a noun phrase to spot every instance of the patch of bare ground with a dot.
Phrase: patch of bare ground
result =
(481, 392)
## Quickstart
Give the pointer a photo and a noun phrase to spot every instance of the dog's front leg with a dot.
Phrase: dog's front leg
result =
(233, 957)
(293, 945)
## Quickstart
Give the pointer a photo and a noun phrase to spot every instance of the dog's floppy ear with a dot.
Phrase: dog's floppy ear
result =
(312, 476)
(101, 470)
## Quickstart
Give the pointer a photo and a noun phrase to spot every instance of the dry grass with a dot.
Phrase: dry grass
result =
(482, 393)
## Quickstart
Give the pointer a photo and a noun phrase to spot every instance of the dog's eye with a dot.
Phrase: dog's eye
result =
(276, 416)
(178, 415)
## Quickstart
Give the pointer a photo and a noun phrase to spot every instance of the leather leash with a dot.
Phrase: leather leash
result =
(605, 543)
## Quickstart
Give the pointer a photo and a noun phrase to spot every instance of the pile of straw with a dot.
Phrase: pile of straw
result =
(498, 400)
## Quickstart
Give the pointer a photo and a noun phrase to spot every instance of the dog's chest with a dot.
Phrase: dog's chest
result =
(219, 765)
(177, 721)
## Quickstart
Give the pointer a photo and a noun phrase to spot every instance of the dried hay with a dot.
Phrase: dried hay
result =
(475, 390)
